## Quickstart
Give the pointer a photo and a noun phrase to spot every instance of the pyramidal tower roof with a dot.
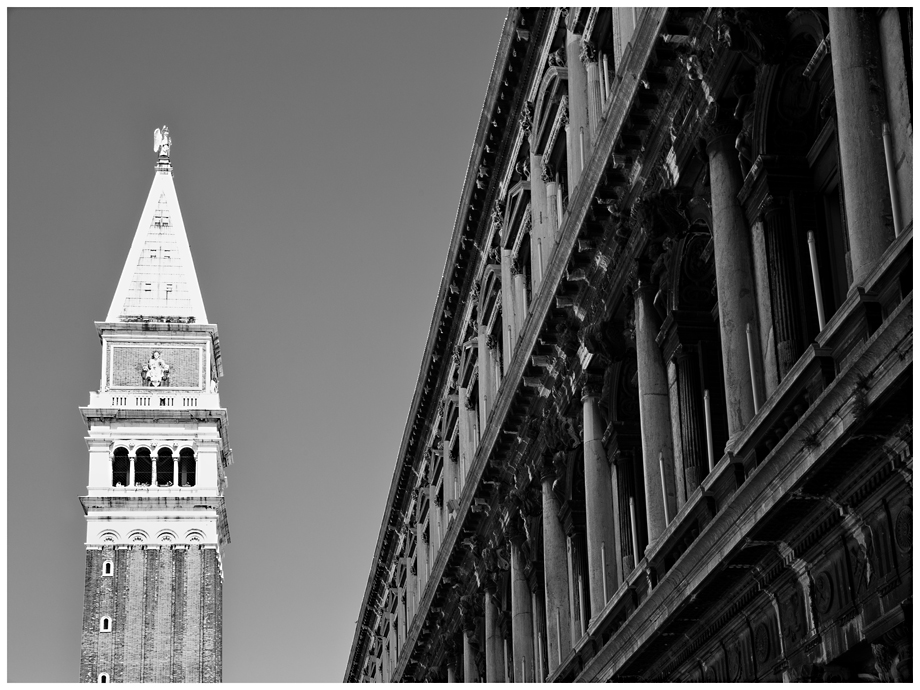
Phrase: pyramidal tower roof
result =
(159, 278)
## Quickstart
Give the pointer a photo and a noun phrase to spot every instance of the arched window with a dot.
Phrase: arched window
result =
(105, 625)
(103, 677)
(108, 569)
(165, 467)
(143, 468)
(120, 467)
(186, 467)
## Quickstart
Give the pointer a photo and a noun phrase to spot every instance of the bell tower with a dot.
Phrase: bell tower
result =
(156, 524)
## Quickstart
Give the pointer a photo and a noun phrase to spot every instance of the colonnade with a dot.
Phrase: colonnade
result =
(863, 171)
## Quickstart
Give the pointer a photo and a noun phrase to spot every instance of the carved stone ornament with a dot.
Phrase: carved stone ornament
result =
(155, 372)
(758, 34)
(823, 593)
(522, 168)
(498, 213)
(548, 172)
(587, 53)
(564, 111)
(527, 117)
(556, 58)
(692, 66)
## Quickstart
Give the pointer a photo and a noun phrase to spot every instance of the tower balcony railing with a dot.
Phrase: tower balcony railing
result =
(148, 398)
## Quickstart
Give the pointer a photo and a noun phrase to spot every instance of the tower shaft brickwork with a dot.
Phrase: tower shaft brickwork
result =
(165, 605)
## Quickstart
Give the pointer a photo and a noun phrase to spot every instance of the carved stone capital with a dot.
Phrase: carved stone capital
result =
(548, 172)
(587, 53)
(718, 122)
(591, 387)
(771, 205)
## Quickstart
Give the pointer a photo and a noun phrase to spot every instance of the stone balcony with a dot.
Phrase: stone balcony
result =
(146, 398)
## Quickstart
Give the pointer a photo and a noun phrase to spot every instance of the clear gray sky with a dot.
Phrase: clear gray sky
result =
(319, 157)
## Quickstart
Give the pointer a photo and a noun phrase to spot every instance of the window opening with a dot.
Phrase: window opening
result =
(105, 625)
(143, 468)
(120, 467)
(165, 467)
(107, 569)
(186, 467)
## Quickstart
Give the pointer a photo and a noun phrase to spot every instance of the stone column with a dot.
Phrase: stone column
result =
(176, 471)
(451, 672)
(465, 434)
(602, 571)
(401, 614)
(588, 56)
(734, 268)
(784, 297)
(485, 370)
(421, 551)
(131, 459)
(509, 307)
(618, 535)
(520, 294)
(521, 611)
(494, 652)
(394, 645)
(574, 631)
(578, 107)
(654, 417)
(434, 528)
(556, 574)
(899, 110)
(552, 215)
(538, 218)
(449, 463)
(411, 589)
(385, 661)
(861, 109)
(539, 644)
(692, 418)
(469, 660)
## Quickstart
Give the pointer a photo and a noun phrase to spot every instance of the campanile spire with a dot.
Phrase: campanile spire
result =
(158, 278)
(156, 523)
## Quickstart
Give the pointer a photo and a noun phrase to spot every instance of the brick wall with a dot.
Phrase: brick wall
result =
(165, 606)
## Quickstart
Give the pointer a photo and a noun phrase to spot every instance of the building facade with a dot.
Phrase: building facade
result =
(663, 425)
(155, 518)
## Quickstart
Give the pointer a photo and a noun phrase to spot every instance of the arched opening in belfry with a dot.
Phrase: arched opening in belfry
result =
(120, 467)
(187, 467)
(165, 468)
